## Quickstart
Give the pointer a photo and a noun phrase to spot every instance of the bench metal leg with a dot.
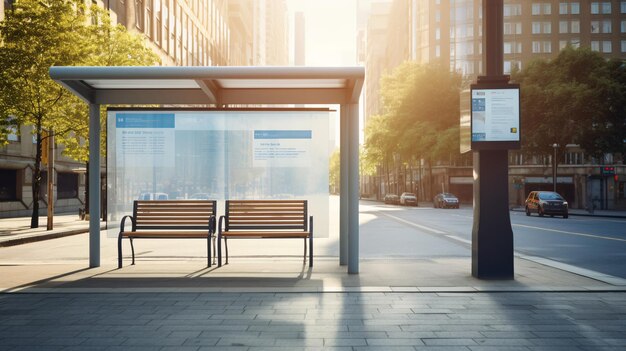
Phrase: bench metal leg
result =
(119, 250)
(219, 249)
(311, 242)
(214, 248)
(226, 247)
(304, 250)
(208, 250)
(132, 248)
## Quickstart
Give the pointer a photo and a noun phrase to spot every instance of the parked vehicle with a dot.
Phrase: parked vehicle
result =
(546, 202)
(154, 196)
(392, 199)
(408, 199)
(445, 200)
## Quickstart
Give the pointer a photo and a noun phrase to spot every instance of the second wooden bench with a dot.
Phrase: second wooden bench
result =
(265, 219)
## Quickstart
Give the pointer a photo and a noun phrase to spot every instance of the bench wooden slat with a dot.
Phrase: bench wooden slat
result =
(269, 234)
(266, 219)
(170, 219)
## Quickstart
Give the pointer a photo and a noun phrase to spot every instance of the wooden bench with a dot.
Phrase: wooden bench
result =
(265, 219)
(169, 219)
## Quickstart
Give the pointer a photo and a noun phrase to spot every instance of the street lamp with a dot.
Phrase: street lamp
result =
(554, 164)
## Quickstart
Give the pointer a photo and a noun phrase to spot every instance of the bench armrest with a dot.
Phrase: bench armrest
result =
(212, 224)
(132, 219)
(220, 226)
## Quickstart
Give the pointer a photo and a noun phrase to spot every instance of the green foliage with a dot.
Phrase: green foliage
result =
(421, 115)
(578, 97)
(38, 34)
(107, 45)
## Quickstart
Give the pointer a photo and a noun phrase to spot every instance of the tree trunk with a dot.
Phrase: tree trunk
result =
(430, 178)
(36, 182)
(387, 173)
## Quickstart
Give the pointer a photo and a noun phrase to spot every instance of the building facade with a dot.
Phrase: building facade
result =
(182, 33)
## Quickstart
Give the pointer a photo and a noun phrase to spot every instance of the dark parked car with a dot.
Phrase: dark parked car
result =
(392, 199)
(408, 199)
(546, 202)
(445, 200)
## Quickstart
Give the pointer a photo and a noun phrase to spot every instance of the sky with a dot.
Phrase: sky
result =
(330, 31)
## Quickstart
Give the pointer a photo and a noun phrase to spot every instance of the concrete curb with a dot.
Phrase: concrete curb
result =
(581, 214)
(31, 238)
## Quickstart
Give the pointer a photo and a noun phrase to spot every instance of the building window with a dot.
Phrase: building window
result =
(563, 26)
(606, 26)
(536, 9)
(575, 26)
(595, 8)
(547, 27)
(563, 8)
(536, 47)
(508, 47)
(67, 185)
(8, 185)
(623, 26)
(622, 7)
(575, 43)
(547, 9)
(437, 16)
(595, 26)
(547, 46)
(607, 46)
(536, 28)
(606, 8)
(595, 45)
(575, 8)
(437, 51)
(510, 10)
(623, 45)
(562, 44)
(437, 34)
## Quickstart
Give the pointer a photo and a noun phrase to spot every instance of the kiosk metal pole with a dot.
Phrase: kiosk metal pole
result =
(492, 236)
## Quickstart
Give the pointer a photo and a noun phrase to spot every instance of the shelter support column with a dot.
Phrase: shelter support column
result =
(353, 188)
(94, 185)
(344, 114)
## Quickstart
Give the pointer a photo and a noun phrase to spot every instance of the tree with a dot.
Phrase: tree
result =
(107, 45)
(578, 97)
(420, 115)
(38, 34)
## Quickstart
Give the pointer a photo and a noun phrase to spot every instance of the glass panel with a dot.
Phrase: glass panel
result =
(218, 155)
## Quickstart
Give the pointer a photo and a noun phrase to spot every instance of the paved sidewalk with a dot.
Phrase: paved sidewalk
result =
(304, 321)
(170, 300)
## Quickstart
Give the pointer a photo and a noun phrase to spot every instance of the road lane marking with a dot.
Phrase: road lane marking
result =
(432, 230)
(570, 233)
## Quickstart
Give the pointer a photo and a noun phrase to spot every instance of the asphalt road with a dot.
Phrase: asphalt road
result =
(593, 243)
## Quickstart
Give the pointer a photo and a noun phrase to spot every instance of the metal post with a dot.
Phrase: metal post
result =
(492, 235)
(353, 181)
(94, 185)
(343, 185)
(50, 222)
(554, 166)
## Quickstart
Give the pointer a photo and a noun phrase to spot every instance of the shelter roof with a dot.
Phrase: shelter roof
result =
(223, 85)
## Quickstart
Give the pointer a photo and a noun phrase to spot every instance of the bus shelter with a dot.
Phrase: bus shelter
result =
(223, 86)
